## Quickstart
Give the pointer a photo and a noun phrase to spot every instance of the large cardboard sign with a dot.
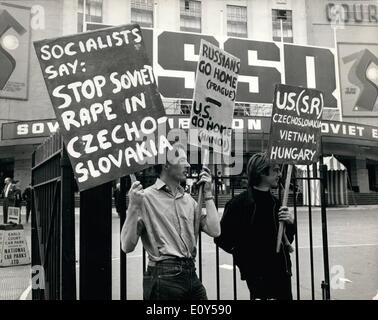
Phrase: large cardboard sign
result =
(14, 51)
(214, 99)
(106, 101)
(14, 250)
(295, 132)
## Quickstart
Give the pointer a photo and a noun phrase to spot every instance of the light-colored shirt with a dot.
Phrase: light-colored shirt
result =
(168, 224)
(7, 190)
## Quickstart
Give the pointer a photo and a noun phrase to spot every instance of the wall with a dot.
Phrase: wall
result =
(38, 105)
(22, 162)
(321, 33)
(116, 17)
(167, 15)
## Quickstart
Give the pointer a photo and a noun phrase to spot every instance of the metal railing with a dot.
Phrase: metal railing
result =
(53, 230)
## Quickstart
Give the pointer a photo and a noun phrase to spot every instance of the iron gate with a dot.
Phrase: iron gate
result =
(53, 228)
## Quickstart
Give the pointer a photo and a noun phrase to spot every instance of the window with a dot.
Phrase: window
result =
(142, 13)
(93, 12)
(237, 21)
(190, 16)
(242, 109)
(186, 106)
(287, 25)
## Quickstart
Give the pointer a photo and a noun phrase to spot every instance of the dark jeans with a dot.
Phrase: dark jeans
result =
(173, 279)
(268, 287)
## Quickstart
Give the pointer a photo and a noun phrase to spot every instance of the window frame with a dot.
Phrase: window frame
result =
(237, 20)
(193, 15)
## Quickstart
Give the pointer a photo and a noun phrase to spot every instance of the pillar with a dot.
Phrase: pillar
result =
(362, 175)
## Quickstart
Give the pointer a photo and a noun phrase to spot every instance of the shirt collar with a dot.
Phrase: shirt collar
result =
(160, 184)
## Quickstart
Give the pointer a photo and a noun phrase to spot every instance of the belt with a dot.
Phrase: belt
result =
(174, 260)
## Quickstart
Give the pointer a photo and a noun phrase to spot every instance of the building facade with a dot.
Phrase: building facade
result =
(296, 42)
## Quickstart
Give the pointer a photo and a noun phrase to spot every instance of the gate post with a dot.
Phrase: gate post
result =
(216, 246)
(296, 235)
(125, 184)
(96, 243)
(67, 232)
(326, 283)
(37, 293)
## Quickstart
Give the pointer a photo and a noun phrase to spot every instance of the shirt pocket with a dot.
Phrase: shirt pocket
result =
(187, 212)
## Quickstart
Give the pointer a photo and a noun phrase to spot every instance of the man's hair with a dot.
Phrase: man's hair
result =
(170, 154)
(257, 166)
(158, 169)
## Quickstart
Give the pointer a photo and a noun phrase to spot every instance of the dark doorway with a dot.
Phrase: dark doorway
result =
(373, 186)
(6, 170)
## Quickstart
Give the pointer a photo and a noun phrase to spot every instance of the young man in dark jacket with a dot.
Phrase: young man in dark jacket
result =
(249, 228)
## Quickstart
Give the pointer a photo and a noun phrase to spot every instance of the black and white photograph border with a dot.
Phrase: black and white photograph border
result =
(278, 201)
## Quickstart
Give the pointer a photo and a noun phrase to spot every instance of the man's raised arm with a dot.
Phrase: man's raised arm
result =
(133, 225)
(210, 223)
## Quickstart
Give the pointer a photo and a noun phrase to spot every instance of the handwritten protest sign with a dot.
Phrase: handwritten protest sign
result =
(106, 101)
(214, 99)
(14, 215)
(295, 133)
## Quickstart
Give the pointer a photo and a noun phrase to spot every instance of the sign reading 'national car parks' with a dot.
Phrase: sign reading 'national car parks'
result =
(14, 249)
(106, 101)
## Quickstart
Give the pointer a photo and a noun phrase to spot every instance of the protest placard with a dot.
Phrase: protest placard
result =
(105, 98)
(295, 133)
(214, 99)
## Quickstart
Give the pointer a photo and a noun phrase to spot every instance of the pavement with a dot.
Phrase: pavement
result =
(15, 281)
(353, 260)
